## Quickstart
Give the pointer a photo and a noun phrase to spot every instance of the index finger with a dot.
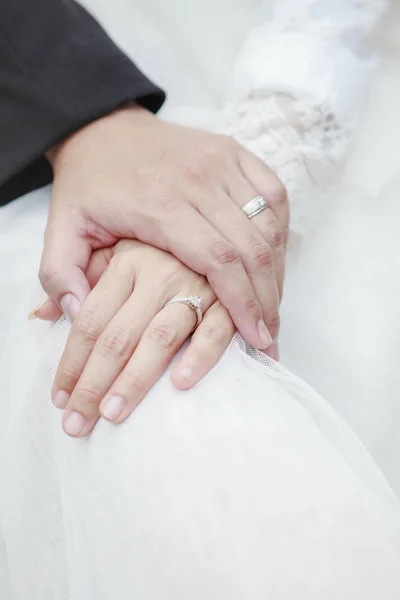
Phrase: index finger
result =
(100, 307)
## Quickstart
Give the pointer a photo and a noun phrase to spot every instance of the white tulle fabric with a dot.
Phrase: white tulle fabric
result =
(249, 485)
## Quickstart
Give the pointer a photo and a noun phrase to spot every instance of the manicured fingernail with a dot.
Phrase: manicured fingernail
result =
(70, 306)
(61, 399)
(113, 408)
(264, 334)
(32, 315)
(74, 423)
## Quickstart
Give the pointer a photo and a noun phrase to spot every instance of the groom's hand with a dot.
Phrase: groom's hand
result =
(131, 175)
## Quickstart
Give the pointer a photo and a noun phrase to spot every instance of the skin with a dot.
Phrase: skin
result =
(130, 175)
(124, 337)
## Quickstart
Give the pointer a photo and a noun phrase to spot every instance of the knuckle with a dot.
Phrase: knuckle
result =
(68, 376)
(273, 324)
(262, 255)
(252, 306)
(275, 237)
(163, 334)
(170, 273)
(120, 261)
(133, 383)
(114, 343)
(167, 204)
(223, 253)
(86, 396)
(46, 274)
(163, 195)
(278, 192)
(278, 240)
(195, 172)
(217, 333)
(87, 325)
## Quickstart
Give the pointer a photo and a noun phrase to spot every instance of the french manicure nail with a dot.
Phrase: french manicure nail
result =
(70, 306)
(113, 408)
(74, 423)
(61, 399)
(32, 314)
(264, 334)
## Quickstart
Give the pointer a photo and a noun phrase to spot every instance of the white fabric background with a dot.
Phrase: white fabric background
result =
(341, 317)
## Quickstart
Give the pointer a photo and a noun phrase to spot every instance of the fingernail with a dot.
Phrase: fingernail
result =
(70, 306)
(61, 399)
(74, 423)
(113, 408)
(32, 315)
(264, 334)
(185, 373)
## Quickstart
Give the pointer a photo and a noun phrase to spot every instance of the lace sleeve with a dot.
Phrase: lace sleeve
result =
(297, 83)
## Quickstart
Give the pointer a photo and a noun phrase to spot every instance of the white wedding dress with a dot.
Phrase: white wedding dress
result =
(250, 485)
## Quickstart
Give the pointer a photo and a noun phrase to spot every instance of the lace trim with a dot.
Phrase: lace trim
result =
(303, 143)
(298, 82)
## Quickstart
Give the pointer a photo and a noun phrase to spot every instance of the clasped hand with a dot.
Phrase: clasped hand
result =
(125, 336)
(130, 175)
(180, 192)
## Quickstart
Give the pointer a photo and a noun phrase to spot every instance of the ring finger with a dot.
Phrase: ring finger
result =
(206, 346)
(255, 252)
(263, 179)
(160, 342)
(102, 304)
(267, 224)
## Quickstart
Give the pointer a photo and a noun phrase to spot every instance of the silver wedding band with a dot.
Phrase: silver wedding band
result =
(255, 206)
(193, 302)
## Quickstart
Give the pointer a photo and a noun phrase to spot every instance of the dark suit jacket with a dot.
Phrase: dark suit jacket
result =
(58, 71)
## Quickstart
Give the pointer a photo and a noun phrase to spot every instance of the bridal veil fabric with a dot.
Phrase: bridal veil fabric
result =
(250, 485)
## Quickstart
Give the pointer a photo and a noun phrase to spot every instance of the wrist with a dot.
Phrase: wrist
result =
(130, 112)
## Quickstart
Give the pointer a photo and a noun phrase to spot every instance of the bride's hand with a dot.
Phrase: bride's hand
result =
(124, 337)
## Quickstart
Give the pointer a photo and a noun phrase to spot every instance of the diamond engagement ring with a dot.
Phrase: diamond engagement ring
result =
(193, 302)
(255, 206)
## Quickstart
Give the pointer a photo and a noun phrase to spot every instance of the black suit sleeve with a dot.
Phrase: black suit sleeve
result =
(58, 71)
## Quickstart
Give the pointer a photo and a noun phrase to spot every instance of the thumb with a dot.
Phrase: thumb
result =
(49, 310)
(64, 261)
